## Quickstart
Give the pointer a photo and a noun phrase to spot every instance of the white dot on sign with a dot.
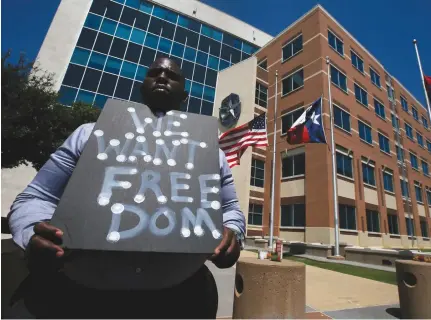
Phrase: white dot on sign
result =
(113, 236)
(133, 171)
(186, 187)
(216, 176)
(132, 158)
(189, 199)
(130, 109)
(188, 176)
(198, 231)
(139, 198)
(102, 156)
(129, 135)
(157, 133)
(162, 199)
(203, 145)
(140, 139)
(216, 234)
(214, 190)
(140, 130)
(148, 120)
(103, 201)
(185, 134)
(184, 141)
(117, 208)
(176, 142)
(125, 184)
(157, 161)
(148, 158)
(176, 123)
(121, 158)
(166, 213)
(160, 141)
(215, 205)
(98, 133)
(183, 116)
(171, 162)
(185, 232)
(169, 113)
(168, 133)
(189, 166)
(114, 142)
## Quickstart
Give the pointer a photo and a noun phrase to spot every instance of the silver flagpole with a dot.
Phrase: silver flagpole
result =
(334, 169)
(271, 218)
(423, 79)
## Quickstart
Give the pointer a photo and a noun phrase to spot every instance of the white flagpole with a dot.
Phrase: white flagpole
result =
(271, 218)
(334, 169)
(423, 79)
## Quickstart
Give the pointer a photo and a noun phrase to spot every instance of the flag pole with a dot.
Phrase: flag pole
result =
(334, 169)
(271, 218)
(423, 79)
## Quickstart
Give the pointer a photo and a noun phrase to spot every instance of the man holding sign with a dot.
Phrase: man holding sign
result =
(162, 91)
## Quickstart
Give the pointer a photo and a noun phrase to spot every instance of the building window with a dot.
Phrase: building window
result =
(418, 192)
(338, 78)
(341, 118)
(425, 122)
(368, 175)
(404, 189)
(415, 113)
(292, 48)
(344, 165)
(388, 180)
(357, 62)
(395, 122)
(261, 95)
(365, 132)
(289, 118)
(414, 161)
(373, 221)
(263, 64)
(255, 212)
(257, 173)
(335, 43)
(409, 225)
(409, 131)
(393, 224)
(293, 82)
(404, 104)
(420, 139)
(429, 197)
(293, 166)
(384, 143)
(390, 93)
(380, 109)
(347, 216)
(425, 168)
(361, 95)
(292, 215)
(429, 145)
(375, 78)
(424, 228)
(400, 154)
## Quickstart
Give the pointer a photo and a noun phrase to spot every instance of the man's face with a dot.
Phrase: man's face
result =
(163, 87)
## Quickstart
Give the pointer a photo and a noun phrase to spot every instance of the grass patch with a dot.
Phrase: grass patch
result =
(368, 273)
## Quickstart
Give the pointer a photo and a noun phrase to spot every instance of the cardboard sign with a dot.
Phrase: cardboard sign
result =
(145, 184)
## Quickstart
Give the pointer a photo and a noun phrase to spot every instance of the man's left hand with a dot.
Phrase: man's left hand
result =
(228, 251)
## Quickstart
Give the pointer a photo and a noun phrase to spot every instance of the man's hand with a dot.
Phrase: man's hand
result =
(228, 251)
(44, 246)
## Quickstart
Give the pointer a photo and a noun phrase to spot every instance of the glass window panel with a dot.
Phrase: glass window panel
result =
(109, 26)
(100, 100)
(138, 36)
(245, 56)
(151, 41)
(232, 41)
(86, 38)
(91, 79)
(142, 20)
(93, 21)
(247, 48)
(142, 73)
(197, 90)
(98, 6)
(128, 16)
(103, 43)
(113, 65)
(209, 93)
(212, 33)
(73, 75)
(194, 105)
(165, 14)
(113, 10)
(190, 54)
(199, 74)
(123, 31)
(97, 60)
(80, 56)
(147, 56)
(133, 3)
(136, 92)
(177, 49)
(213, 62)
(128, 70)
(85, 96)
(187, 69)
(124, 88)
(209, 45)
(189, 23)
(211, 78)
(223, 64)
(202, 58)
(118, 48)
(133, 52)
(188, 85)
(144, 6)
(107, 84)
(67, 95)
(207, 108)
(165, 45)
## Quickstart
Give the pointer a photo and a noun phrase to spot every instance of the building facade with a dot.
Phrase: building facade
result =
(377, 208)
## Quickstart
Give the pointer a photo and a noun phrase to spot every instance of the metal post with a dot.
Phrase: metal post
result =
(271, 219)
(423, 80)
(334, 169)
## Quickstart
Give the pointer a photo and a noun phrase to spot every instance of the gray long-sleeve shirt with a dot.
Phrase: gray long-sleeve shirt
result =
(40, 198)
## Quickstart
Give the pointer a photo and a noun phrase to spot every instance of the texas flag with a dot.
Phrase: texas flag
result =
(427, 81)
(308, 128)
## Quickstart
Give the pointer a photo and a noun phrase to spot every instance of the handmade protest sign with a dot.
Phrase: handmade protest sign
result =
(145, 183)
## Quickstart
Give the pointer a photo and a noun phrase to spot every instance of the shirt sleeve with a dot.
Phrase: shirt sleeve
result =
(233, 218)
(39, 199)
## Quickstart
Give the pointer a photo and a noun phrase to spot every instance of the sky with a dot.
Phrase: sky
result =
(385, 27)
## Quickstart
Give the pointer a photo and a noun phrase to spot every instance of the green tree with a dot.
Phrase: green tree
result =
(34, 123)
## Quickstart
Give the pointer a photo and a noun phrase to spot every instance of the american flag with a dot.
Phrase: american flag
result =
(235, 141)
